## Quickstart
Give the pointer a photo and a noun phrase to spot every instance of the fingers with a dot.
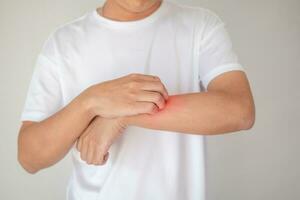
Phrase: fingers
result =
(144, 77)
(92, 154)
(86, 149)
(151, 83)
(78, 144)
(144, 108)
(83, 150)
(154, 97)
(156, 87)
(100, 158)
(106, 156)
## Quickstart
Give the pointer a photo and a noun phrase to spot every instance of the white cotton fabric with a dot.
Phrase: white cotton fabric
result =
(185, 46)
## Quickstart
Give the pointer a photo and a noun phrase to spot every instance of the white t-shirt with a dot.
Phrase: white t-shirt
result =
(185, 46)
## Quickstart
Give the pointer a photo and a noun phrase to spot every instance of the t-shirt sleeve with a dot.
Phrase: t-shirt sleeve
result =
(44, 96)
(216, 55)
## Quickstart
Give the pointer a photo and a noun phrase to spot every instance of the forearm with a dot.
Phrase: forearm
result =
(196, 113)
(44, 143)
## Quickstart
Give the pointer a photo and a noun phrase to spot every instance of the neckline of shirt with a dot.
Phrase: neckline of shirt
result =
(131, 24)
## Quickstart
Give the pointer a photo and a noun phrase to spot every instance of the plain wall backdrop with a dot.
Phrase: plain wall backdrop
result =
(260, 164)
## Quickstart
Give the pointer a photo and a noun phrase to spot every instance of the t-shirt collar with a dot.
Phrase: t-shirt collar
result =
(131, 24)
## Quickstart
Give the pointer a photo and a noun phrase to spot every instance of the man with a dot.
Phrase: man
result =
(120, 87)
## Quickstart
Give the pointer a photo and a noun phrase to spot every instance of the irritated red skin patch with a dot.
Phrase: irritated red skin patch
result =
(173, 105)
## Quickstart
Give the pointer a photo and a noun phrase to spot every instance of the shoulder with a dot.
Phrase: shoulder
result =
(196, 14)
(64, 36)
(69, 30)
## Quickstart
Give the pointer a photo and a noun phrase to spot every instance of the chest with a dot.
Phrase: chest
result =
(164, 52)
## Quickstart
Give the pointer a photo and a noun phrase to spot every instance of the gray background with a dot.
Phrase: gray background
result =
(260, 164)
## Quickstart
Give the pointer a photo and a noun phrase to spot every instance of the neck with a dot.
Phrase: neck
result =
(112, 10)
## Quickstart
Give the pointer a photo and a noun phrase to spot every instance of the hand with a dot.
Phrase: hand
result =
(96, 140)
(129, 95)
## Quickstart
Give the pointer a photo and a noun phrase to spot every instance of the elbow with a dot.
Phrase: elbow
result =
(247, 118)
(28, 154)
(247, 123)
(32, 159)
(25, 158)
(27, 165)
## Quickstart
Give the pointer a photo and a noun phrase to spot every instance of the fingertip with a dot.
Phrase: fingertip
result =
(106, 156)
(166, 96)
(162, 105)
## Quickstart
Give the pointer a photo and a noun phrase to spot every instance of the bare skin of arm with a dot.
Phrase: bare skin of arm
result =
(42, 144)
(227, 106)
(95, 141)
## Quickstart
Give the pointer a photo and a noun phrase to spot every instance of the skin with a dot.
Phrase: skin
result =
(102, 112)
(128, 10)
(226, 107)
(42, 144)
(91, 144)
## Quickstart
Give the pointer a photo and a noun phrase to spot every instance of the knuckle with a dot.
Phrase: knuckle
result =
(133, 75)
(156, 78)
(151, 107)
(96, 162)
(100, 163)
(131, 94)
(89, 162)
(161, 86)
(129, 106)
(133, 84)
(101, 150)
(158, 98)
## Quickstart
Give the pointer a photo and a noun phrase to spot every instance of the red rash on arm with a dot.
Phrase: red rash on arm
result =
(226, 107)
(177, 115)
(173, 104)
(196, 113)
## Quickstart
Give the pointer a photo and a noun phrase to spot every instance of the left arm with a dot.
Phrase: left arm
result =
(227, 106)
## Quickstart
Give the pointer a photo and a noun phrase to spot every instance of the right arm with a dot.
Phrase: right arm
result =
(42, 144)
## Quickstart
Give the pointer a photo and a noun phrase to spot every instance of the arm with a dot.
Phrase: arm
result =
(96, 140)
(227, 106)
(42, 144)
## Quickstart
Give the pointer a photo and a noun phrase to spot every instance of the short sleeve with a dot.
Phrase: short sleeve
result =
(216, 55)
(44, 96)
